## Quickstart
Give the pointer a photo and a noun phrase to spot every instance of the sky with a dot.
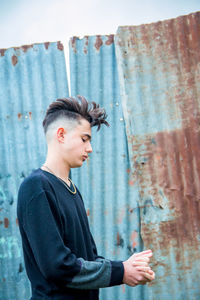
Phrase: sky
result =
(26, 22)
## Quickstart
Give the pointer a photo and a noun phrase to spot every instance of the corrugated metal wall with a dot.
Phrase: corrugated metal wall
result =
(159, 71)
(142, 180)
(105, 180)
(30, 78)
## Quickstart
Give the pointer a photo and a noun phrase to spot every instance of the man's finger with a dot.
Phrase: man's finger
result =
(148, 276)
(141, 258)
(140, 263)
(143, 269)
(151, 272)
(145, 253)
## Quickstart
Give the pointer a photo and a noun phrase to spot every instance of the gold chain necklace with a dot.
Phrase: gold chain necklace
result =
(65, 184)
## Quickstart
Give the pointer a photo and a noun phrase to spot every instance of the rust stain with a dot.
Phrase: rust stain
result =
(6, 222)
(120, 216)
(88, 212)
(85, 50)
(110, 39)
(14, 60)
(73, 43)
(24, 48)
(166, 164)
(98, 42)
(120, 241)
(133, 239)
(19, 115)
(60, 46)
(2, 52)
(175, 176)
(46, 45)
(30, 115)
(17, 222)
(123, 288)
(86, 40)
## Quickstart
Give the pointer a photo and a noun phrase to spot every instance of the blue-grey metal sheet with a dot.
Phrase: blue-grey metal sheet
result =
(31, 77)
(105, 181)
(159, 72)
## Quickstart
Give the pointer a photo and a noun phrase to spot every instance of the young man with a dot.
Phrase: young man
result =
(59, 251)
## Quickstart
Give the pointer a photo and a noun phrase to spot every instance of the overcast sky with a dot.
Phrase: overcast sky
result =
(26, 22)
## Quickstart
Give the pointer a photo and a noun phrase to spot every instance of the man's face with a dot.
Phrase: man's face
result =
(76, 144)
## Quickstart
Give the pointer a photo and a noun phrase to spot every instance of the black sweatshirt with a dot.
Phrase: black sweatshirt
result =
(60, 254)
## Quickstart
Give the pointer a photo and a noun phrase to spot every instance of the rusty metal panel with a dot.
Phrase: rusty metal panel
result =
(104, 180)
(159, 72)
(30, 78)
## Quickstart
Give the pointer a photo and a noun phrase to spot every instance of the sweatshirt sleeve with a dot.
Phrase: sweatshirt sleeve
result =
(56, 261)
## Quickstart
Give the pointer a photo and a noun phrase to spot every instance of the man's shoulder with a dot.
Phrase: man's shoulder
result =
(33, 184)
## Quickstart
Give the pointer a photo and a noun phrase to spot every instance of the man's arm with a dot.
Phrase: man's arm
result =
(57, 263)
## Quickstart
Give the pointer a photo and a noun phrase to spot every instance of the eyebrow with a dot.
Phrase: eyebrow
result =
(89, 136)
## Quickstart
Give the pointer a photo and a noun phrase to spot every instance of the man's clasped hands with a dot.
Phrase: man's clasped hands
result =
(137, 269)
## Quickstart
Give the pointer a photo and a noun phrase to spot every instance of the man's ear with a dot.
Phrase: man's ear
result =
(61, 134)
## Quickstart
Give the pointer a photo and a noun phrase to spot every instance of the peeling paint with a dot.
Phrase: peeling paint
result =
(110, 39)
(6, 222)
(60, 46)
(120, 240)
(134, 235)
(46, 45)
(14, 60)
(2, 52)
(98, 42)
(73, 43)
(85, 50)
(19, 115)
(24, 48)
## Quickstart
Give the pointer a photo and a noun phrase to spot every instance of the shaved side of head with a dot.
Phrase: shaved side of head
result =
(60, 122)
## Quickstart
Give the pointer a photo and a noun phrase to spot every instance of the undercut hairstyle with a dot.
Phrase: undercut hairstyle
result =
(75, 109)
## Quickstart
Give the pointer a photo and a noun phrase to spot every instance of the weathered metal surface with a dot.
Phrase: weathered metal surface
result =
(104, 181)
(30, 78)
(159, 71)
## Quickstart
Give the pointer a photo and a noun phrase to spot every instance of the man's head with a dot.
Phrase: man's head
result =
(67, 126)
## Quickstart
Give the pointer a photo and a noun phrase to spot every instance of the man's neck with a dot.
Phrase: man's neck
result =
(57, 167)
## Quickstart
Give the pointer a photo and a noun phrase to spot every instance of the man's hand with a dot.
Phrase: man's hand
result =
(137, 270)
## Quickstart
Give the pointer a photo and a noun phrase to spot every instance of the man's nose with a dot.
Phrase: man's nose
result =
(89, 148)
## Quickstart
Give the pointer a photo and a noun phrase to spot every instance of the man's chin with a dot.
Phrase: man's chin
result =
(77, 165)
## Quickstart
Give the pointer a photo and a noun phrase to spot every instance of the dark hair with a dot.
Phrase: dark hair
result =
(76, 109)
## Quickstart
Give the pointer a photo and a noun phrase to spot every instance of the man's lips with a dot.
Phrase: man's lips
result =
(85, 157)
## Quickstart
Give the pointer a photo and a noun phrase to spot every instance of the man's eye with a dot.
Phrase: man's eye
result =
(84, 140)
